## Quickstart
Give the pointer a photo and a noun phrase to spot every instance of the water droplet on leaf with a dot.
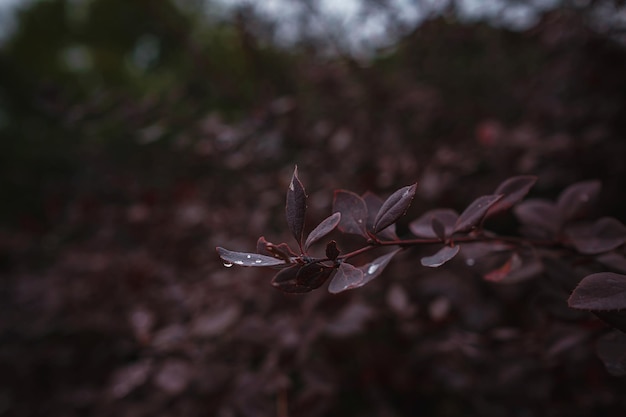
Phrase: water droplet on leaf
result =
(228, 264)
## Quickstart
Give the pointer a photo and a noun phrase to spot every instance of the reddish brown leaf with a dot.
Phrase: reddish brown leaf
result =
(577, 199)
(603, 291)
(539, 213)
(285, 281)
(332, 252)
(374, 203)
(295, 207)
(353, 212)
(441, 257)
(322, 229)
(475, 212)
(373, 269)
(423, 226)
(513, 191)
(394, 207)
(313, 275)
(346, 278)
(603, 235)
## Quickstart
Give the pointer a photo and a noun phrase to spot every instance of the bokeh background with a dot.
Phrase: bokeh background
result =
(137, 135)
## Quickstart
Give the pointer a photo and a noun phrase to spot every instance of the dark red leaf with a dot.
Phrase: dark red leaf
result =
(439, 228)
(613, 260)
(577, 199)
(611, 350)
(280, 251)
(394, 207)
(603, 235)
(498, 274)
(285, 281)
(246, 259)
(374, 203)
(332, 252)
(322, 229)
(513, 191)
(296, 207)
(603, 291)
(313, 275)
(539, 213)
(353, 212)
(441, 257)
(346, 278)
(373, 269)
(475, 212)
(423, 226)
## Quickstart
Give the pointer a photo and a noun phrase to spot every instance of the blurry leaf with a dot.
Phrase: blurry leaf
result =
(313, 275)
(394, 207)
(423, 226)
(603, 235)
(541, 213)
(215, 322)
(602, 291)
(322, 229)
(611, 349)
(498, 274)
(475, 212)
(374, 203)
(350, 320)
(441, 257)
(174, 376)
(332, 252)
(373, 269)
(513, 190)
(613, 260)
(353, 212)
(347, 277)
(439, 228)
(285, 281)
(246, 259)
(125, 380)
(296, 207)
(576, 200)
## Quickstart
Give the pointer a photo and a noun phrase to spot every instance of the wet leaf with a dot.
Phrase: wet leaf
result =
(475, 212)
(353, 212)
(441, 257)
(513, 191)
(602, 291)
(322, 229)
(373, 269)
(394, 207)
(313, 275)
(539, 213)
(346, 278)
(296, 207)
(603, 235)
(246, 259)
(577, 200)
(374, 203)
(423, 226)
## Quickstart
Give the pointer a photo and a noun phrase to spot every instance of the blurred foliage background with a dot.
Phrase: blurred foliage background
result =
(136, 135)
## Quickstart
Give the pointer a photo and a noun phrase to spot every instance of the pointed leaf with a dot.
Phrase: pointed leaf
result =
(423, 226)
(353, 212)
(247, 259)
(513, 190)
(475, 212)
(439, 228)
(332, 251)
(577, 199)
(280, 251)
(373, 269)
(603, 235)
(285, 281)
(295, 208)
(322, 229)
(374, 203)
(603, 291)
(441, 257)
(539, 213)
(346, 278)
(394, 207)
(313, 275)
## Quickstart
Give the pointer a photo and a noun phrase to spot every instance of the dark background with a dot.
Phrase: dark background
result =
(135, 136)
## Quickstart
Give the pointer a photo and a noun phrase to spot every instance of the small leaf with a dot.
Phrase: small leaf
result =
(423, 226)
(441, 257)
(374, 203)
(346, 278)
(280, 251)
(475, 212)
(577, 199)
(313, 275)
(353, 212)
(603, 235)
(295, 208)
(246, 259)
(513, 190)
(285, 281)
(439, 228)
(611, 350)
(539, 213)
(332, 252)
(603, 291)
(394, 207)
(322, 229)
(373, 269)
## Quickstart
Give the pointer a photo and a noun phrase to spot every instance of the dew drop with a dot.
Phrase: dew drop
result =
(470, 262)
(249, 256)
(239, 262)
(228, 264)
(258, 261)
(373, 268)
